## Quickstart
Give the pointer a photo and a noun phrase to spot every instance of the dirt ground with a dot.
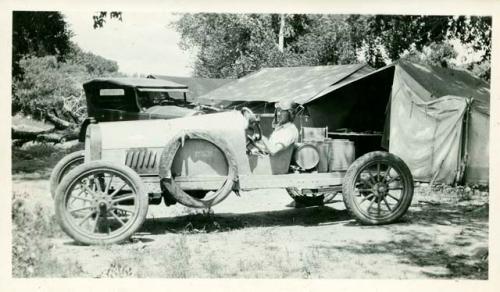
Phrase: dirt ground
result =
(256, 236)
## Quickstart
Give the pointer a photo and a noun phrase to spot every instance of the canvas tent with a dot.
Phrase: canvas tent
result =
(270, 85)
(196, 86)
(260, 90)
(439, 123)
(436, 119)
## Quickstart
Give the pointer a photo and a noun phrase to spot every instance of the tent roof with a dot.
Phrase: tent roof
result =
(438, 81)
(274, 84)
(138, 82)
(361, 73)
(441, 81)
(196, 86)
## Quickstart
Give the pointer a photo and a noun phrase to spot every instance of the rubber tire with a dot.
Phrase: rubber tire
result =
(350, 179)
(180, 195)
(77, 157)
(76, 173)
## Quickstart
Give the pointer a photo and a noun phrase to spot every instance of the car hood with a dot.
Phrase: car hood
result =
(156, 133)
(170, 111)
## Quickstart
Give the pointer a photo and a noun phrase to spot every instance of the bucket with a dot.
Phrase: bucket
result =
(340, 154)
(323, 155)
(306, 155)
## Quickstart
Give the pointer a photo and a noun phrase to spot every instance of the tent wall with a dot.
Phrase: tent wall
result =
(425, 134)
(477, 169)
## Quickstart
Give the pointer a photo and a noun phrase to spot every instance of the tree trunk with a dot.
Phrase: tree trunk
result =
(281, 40)
(26, 135)
(59, 123)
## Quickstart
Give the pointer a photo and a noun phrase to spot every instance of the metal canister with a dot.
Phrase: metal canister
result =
(323, 149)
(341, 154)
(306, 155)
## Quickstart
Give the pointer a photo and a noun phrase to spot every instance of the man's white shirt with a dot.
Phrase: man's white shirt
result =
(286, 135)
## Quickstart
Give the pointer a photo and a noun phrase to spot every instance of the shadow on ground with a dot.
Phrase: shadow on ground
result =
(413, 240)
(463, 255)
(228, 221)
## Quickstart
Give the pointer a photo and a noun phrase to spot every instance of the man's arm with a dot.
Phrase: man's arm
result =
(270, 148)
(273, 148)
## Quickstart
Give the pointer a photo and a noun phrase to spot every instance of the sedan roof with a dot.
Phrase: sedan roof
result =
(141, 83)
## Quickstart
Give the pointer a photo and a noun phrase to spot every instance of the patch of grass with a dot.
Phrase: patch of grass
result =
(212, 266)
(31, 247)
(117, 269)
(311, 260)
(249, 265)
(447, 194)
(178, 259)
(39, 157)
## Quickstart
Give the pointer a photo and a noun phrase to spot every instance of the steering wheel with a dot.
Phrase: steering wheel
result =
(166, 102)
(253, 124)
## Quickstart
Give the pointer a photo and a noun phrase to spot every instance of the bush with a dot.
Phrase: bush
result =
(51, 86)
(44, 85)
(31, 248)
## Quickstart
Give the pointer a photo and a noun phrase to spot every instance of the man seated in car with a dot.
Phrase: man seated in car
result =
(285, 133)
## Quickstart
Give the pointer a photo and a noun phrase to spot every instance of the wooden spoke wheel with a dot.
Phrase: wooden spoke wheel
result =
(378, 188)
(101, 203)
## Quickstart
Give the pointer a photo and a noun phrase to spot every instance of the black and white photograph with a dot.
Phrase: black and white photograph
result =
(240, 144)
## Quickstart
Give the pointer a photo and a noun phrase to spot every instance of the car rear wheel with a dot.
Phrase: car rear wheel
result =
(101, 203)
(378, 188)
(64, 165)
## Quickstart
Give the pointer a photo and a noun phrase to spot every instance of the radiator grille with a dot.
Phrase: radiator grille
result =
(141, 158)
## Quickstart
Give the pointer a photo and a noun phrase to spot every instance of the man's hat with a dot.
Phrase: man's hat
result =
(285, 104)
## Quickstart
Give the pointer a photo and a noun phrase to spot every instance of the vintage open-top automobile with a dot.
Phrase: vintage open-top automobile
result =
(198, 161)
(127, 99)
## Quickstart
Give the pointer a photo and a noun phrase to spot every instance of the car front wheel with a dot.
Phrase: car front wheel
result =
(101, 203)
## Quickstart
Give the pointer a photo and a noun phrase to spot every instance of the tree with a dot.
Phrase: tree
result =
(47, 83)
(38, 33)
(99, 18)
(329, 40)
(436, 54)
(52, 90)
(95, 65)
(230, 45)
(475, 31)
(398, 33)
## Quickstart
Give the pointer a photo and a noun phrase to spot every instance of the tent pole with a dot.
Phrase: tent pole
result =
(465, 143)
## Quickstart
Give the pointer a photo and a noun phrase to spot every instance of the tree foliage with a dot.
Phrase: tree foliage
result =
(38, 33)
(233, 45)
(48, 72)
(474, 31)
(94, 65)
(100, 17)
(52, 86)
(229, 45)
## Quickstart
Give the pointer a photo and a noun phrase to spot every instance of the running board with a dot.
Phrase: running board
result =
(248, 182)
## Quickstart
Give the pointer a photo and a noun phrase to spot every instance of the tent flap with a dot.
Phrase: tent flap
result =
(477, 167)
(425, 134)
